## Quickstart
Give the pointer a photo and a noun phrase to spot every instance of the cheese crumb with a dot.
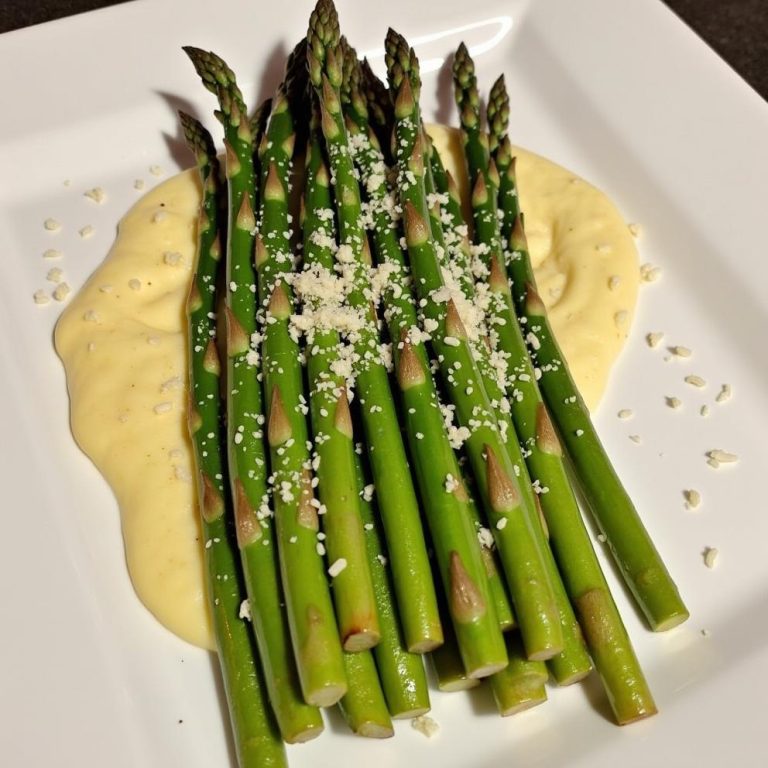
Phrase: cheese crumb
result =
(134, 284)
(716, 457)
(337, 567)
(673, 402)
(485, 537)
(91, 316)
(695, 381)
(635, 439)
(96, 194)
(724, 394)
(614, 281)
(679, 351)
(602, 538)
(426, 725)
(172, 258)
(710, 556)
(61, 291)
(621, 317)
(451, 483)
(704, 410)
(52, 253)
(139, 184)
(156, 170)
(625, 413)
(86, 231)
(649, 273)
(52, 225)
(654, 339)
(245, 610)
(501, 523)
(163, 407)
(634, 229)
(54, 275)
(692, 498)
(40, 297)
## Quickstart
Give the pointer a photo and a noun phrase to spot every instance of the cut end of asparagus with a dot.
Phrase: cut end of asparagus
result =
(375, 731)
(327, 696)
(361, 640)
(525, 700)
(426, 645)
(410, 714)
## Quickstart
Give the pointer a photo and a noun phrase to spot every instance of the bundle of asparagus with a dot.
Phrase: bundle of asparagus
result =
(340, 588)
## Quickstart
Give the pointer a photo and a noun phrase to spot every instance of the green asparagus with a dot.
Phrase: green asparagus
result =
(256, 735)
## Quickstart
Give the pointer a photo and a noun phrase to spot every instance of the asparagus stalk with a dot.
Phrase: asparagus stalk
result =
(379, 106)
(454, 242)
(527, 409)
(331, 419)
(521, 685)
(616, 516)
(256, 736)
(448, 666)
(400, 671)
(245, 447)
(397, 499)
(316, 641)
(515, 532)
(616, 661)
(444, 498)
(363, 706)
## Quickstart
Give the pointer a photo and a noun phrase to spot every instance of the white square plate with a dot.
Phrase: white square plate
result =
(621, 93)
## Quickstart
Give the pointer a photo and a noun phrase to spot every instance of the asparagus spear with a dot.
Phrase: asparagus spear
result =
(400, 671)
(629, 542)
(256, 736)
(397, 499)
(315, 635)
(444, 498)
(331, 420)
(515, 532)
(573, 663)
(379, 106)
(521, 685)
(246, 450)
(363, 706)
(616, 661)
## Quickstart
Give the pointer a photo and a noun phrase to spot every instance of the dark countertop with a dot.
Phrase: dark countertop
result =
(736, 29)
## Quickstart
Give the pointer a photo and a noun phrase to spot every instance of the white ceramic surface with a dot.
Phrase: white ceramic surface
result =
(623, 94)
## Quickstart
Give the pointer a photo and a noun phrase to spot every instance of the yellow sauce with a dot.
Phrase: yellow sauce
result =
(123, 344)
